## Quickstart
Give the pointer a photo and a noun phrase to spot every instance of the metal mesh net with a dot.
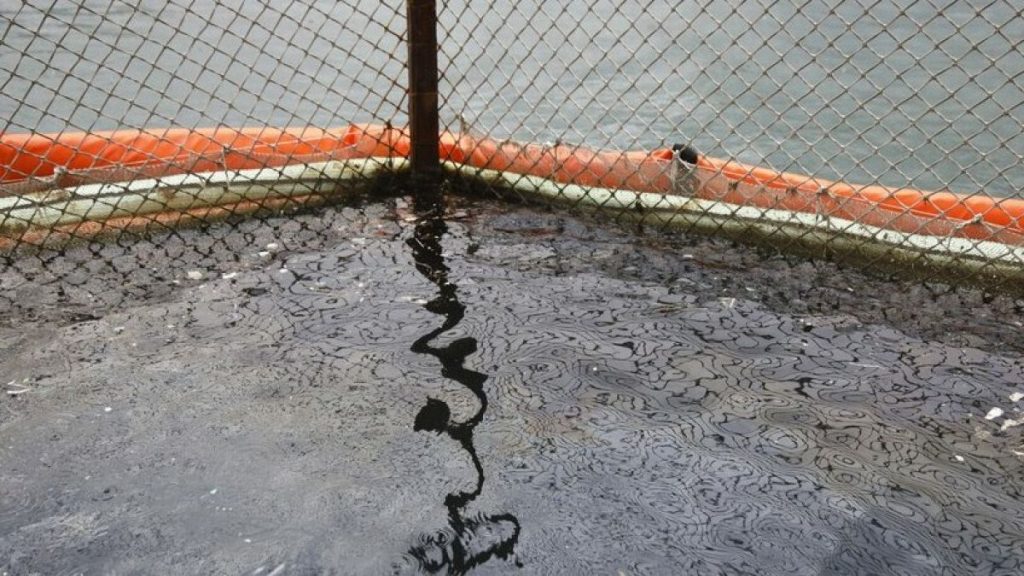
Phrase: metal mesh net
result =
(92, 65)
(136, 98)
(915, 96)
(911, 93)
(889, 131)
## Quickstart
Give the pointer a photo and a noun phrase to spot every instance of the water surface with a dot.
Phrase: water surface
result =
(524, 393)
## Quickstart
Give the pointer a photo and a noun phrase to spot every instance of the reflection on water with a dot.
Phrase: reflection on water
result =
(468, 544)
(649, 412)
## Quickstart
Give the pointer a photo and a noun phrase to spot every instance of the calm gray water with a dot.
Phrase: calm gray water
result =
(908, 92)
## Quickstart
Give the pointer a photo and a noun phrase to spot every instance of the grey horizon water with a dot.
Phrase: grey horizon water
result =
(906, 93)
(644, 413)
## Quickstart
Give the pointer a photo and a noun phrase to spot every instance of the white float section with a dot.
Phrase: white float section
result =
(177, 193)
(685, 211)
(180, 192)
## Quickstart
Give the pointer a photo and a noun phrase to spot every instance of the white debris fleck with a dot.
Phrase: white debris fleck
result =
(994, 413)
(1010, 423)
(118, 329)
(229, 275)
(108, 409)
(213, 492)
(1016, 396)
(273, 246)
(283, 270)
(195, 274)
(359, 241)
(248, 540)
(263, 254)
(20, 388)
(958, 457)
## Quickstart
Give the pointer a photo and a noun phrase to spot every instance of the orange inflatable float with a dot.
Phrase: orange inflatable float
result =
(56, 159)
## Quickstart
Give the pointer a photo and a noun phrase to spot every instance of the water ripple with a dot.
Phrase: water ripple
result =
(278, 417)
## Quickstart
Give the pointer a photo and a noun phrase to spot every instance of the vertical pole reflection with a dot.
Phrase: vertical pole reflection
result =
(469, 542)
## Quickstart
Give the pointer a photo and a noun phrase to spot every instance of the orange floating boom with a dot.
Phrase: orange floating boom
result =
(171, 151)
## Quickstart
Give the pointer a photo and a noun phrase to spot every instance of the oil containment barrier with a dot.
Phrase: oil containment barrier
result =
(77, 185)
(887, 135)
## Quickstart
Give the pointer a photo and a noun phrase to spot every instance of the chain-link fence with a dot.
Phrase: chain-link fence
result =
(917, 105)
(886, 131)
(125, 116)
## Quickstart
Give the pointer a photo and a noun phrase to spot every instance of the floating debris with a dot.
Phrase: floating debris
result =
(1010, 423)
(195, 275)
(994, 413)
(15, 389)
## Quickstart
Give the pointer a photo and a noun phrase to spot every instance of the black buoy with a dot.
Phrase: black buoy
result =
(686, 153)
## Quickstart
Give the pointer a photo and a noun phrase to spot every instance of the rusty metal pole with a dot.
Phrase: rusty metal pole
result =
(424, 126)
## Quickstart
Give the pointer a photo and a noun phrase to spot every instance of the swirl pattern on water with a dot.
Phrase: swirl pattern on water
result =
(639, 417)
(798, 447)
